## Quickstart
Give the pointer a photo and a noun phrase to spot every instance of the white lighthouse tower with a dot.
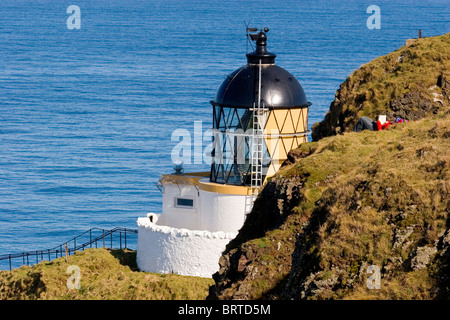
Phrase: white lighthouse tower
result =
(260, 113)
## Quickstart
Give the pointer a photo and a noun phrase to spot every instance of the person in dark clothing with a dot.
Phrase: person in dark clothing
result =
(365, 123)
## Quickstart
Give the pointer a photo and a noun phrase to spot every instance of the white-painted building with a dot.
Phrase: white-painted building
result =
(260, 113)
(194, 227)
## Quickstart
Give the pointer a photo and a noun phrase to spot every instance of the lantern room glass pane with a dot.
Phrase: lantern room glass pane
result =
(232, 158)
(232, 118)
(245, 119)
(232, 145)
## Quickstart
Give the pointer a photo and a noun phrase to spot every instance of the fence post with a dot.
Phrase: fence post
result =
(9, 256)
(103, 238)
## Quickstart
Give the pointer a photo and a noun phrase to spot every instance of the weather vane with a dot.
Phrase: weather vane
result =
(252, 34)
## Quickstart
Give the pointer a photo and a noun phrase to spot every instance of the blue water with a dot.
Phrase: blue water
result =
(86, 116)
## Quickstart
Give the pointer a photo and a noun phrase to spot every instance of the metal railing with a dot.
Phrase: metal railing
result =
(115, 238)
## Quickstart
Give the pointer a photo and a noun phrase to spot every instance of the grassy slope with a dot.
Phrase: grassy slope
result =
(360, 192)
(367, 189)
(105, 274)
(411, 82)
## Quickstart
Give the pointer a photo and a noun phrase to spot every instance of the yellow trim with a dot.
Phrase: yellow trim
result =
(224, 188)
(289, 124)
(303, 124)
(271, 124)
(280, 117)
(295, 114)
(271, 170)
(184, 178)
(194, 179)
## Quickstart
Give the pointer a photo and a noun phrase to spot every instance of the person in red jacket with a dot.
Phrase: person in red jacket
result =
(381, 124)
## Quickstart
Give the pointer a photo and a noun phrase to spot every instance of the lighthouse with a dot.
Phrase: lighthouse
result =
(259, 113)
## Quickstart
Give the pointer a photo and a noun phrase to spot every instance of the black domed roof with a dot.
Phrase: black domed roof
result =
(279, 88)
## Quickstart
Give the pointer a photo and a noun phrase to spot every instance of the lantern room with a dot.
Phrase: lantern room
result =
(258, 100)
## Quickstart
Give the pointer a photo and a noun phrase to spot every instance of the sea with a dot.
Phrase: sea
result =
(90, 97)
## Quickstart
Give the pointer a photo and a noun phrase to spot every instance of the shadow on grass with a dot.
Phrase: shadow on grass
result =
(126, 257)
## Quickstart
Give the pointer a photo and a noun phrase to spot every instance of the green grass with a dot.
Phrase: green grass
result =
(104, 275)
(363, 187)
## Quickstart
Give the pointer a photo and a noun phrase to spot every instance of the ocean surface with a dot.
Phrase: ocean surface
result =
(87, 115)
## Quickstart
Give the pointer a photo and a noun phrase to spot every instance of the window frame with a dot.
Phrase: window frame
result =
(177, 205)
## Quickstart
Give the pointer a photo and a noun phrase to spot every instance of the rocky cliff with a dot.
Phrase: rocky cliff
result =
(358, 215)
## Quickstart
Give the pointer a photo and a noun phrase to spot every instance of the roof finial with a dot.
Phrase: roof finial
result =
(261, 42)
(261, 53)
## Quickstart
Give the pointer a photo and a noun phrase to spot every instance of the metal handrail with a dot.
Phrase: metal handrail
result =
(60, 250)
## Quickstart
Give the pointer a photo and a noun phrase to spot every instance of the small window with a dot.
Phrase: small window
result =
(184, 202)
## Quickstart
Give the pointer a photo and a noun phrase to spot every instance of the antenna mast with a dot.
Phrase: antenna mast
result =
(250, 36)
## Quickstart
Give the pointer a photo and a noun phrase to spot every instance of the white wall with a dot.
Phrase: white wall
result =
(212, 211)
(222, 212)
(163, 249)
(189, 241)
(180, 217)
